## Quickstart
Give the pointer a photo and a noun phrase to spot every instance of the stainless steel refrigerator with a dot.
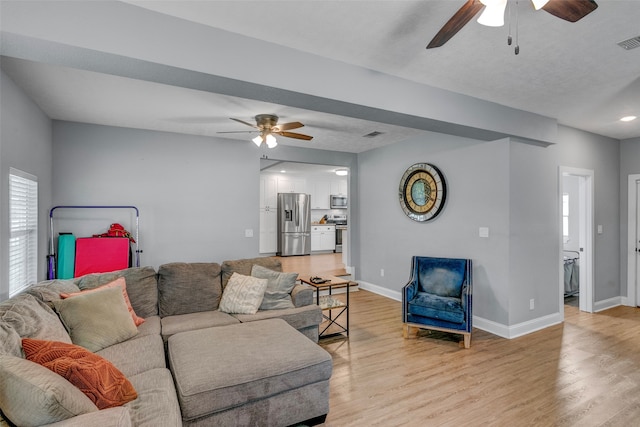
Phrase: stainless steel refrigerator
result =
(294, 224)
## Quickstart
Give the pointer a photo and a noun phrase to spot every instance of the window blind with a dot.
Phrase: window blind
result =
(23, 224)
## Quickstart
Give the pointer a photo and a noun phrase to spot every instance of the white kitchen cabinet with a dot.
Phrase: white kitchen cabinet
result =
(339, 186)
(291, 185)
(268, 239)
(323, 237)
(268, 192)
(268, 230)
(320, 191)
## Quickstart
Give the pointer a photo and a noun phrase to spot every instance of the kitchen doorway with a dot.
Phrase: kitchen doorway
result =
(323, 182)
(576, 237)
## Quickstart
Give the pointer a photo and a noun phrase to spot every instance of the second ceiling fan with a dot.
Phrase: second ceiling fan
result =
(569, 10)
(267, 125)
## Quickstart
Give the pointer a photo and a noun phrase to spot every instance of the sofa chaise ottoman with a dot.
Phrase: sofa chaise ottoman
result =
(259, 373)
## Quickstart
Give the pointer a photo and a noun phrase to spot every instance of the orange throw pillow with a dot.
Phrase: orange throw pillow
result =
(118, 282)
(95, 376)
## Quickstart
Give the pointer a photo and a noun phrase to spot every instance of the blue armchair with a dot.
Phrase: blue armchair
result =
(438, 296)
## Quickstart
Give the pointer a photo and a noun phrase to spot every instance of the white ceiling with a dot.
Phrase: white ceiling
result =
(573, 72)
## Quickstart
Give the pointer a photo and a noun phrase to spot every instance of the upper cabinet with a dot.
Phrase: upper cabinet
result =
(320, 192)
(339, 186)
(320, 187)
(291, 185)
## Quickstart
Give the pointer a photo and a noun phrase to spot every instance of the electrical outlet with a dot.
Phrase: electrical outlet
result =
(532, 304)
(382, 272)
(248, 232)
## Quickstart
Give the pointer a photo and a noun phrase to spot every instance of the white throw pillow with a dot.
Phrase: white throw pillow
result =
(243, 294)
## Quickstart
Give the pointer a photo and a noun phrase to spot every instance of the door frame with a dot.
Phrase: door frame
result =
(586, 215)
(632, 233)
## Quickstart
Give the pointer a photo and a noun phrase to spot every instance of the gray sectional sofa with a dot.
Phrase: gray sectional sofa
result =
(190, 363)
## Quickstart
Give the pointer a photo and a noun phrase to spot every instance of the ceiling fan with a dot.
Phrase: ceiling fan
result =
(569, 10)
(267, 125)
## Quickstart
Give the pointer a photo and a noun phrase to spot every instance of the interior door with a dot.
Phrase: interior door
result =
(585, 221)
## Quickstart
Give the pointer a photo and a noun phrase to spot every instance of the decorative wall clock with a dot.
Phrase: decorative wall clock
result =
(422, 192)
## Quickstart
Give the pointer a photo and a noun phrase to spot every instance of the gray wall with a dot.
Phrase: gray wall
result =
(25, 144)
(196, 195)
(534, 234)
(477, 176)
(585, 150)
(509, 187)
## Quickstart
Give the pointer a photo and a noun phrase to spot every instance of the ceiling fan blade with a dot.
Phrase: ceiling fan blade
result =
(570, 10)
(455, 24)
(244, 123)
(288, 126)
(295, 135)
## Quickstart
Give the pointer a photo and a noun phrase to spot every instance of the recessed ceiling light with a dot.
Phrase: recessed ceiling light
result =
(342, 172)
(283, 171)
(628, 118)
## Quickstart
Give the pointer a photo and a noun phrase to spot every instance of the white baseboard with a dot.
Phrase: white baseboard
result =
(519, 329)
(628, 302)
(376, 289)
(608, 303)
(490, 326)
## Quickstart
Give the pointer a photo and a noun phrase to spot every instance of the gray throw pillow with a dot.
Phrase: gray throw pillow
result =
(97, 320)
(243, 294)
(32, 395)
(279, 286)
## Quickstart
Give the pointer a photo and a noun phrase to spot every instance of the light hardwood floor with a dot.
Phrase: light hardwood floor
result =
(327, 263)
(584, 372)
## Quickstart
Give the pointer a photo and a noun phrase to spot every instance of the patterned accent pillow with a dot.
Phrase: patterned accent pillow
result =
(279, 287)
(95, 376)
(243, 294)
(119, 282)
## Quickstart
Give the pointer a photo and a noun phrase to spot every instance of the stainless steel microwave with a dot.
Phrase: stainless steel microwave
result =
(338, 201)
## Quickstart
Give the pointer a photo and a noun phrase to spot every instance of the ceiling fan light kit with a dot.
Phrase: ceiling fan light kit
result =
(539, 4)
(269, 139)
(493, 13)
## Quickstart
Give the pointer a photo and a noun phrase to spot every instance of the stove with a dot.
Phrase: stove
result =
(341, 226)
(337, 220)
